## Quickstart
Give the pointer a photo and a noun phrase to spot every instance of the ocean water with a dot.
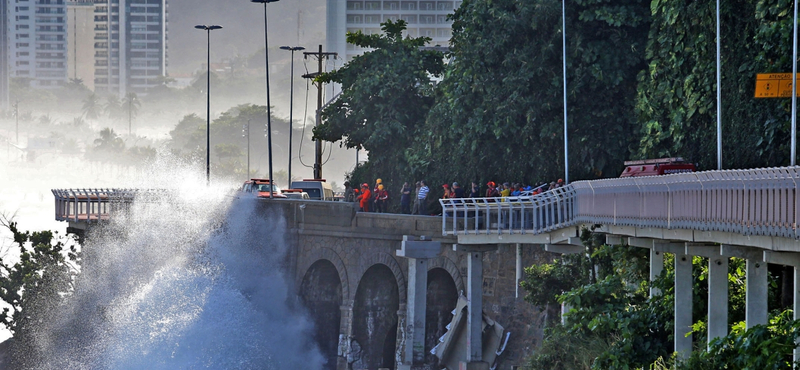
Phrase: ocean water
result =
(188, 278)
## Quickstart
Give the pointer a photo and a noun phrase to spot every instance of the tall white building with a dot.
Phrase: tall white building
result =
(37, 41)
(80, 41)
(130, 45)
(4, 55)
(424, 18)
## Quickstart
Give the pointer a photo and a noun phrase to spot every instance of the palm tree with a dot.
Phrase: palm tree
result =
(91, 107)
(113, 108)
(130, 105)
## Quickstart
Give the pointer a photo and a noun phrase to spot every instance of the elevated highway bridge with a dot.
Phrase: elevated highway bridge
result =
(749, 214)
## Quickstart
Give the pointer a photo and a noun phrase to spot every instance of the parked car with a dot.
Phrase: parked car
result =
(657, 167)
(317, 189)
(262, 188)
(295, 194)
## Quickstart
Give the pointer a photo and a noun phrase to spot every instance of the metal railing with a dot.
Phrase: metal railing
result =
(91, 205)
(747, 202)
(535, 214)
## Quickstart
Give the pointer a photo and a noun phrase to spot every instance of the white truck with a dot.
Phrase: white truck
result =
(317, 189)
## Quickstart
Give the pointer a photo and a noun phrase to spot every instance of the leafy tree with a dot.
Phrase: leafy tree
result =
(386, 95)
(677, 93)
(109, 142)
(141, 155)
(760, 347)
(224, 151)
(36, 284)
(499, 108)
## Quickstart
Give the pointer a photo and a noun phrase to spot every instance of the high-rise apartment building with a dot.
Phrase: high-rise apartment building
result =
(3, 55)
(130, 45)
(424, 18)
(37, 41)
(80, 41)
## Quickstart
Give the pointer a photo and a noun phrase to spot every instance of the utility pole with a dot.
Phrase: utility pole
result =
(16, 117)
(246, 133)
(320, 55)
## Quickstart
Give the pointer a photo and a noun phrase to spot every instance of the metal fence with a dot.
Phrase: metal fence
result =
(535, 214)
(748, 202)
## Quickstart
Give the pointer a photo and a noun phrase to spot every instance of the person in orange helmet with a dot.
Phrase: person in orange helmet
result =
(364, 197)
(381, 197)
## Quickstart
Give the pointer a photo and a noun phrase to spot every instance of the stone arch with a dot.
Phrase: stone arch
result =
(449, 266)
(330, 255)
(321, 294)
(375, 318)
(367, 260)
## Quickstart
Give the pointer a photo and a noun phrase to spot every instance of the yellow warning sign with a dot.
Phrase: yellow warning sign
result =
(774, 85)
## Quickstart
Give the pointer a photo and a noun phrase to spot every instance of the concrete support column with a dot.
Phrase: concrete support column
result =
(345, 334)
(656, 266)
(756, 306)
(474, 306)
(683, 305)
(797, 306)
(717, 297)
(417, 253)
(415, 311)
(519, 269)
(474, 360)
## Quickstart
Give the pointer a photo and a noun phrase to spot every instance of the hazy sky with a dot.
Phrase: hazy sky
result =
(291, 22)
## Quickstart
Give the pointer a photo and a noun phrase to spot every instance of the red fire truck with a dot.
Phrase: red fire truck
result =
(657, 167)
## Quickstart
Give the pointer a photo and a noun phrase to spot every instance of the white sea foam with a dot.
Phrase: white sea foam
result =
(190, 278)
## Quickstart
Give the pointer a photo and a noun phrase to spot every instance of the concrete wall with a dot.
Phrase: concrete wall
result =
(361, 247)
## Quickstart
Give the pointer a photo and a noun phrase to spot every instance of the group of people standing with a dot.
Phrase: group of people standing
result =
(378, 197)
(415, 201)
(412, 201)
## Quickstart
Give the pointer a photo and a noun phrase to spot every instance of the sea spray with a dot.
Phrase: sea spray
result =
(185, 278)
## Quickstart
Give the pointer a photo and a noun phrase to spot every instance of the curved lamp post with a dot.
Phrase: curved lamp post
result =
(291, 100)
(269, 109)
(208, 30)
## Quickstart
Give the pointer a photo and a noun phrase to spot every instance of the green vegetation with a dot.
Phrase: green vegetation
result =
(641, 83)
(386, 95)
(40, 279)
(614, 324)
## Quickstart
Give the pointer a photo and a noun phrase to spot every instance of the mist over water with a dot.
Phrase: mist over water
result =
(190, 278)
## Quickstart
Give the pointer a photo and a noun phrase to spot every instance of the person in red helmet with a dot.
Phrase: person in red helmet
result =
(492, 191)
(363, 199)
(446, 191)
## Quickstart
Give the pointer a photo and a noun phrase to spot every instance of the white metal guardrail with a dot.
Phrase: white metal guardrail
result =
(92, 205)
(748, 202)
(535, 214)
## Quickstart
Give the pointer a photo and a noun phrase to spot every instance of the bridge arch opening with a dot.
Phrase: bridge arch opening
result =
(375, 318)
(321, 292)
(441, 297)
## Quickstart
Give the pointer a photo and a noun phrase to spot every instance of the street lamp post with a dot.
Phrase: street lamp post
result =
(291, 100)
(208, 30)
(269, 110)
(246, 133)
